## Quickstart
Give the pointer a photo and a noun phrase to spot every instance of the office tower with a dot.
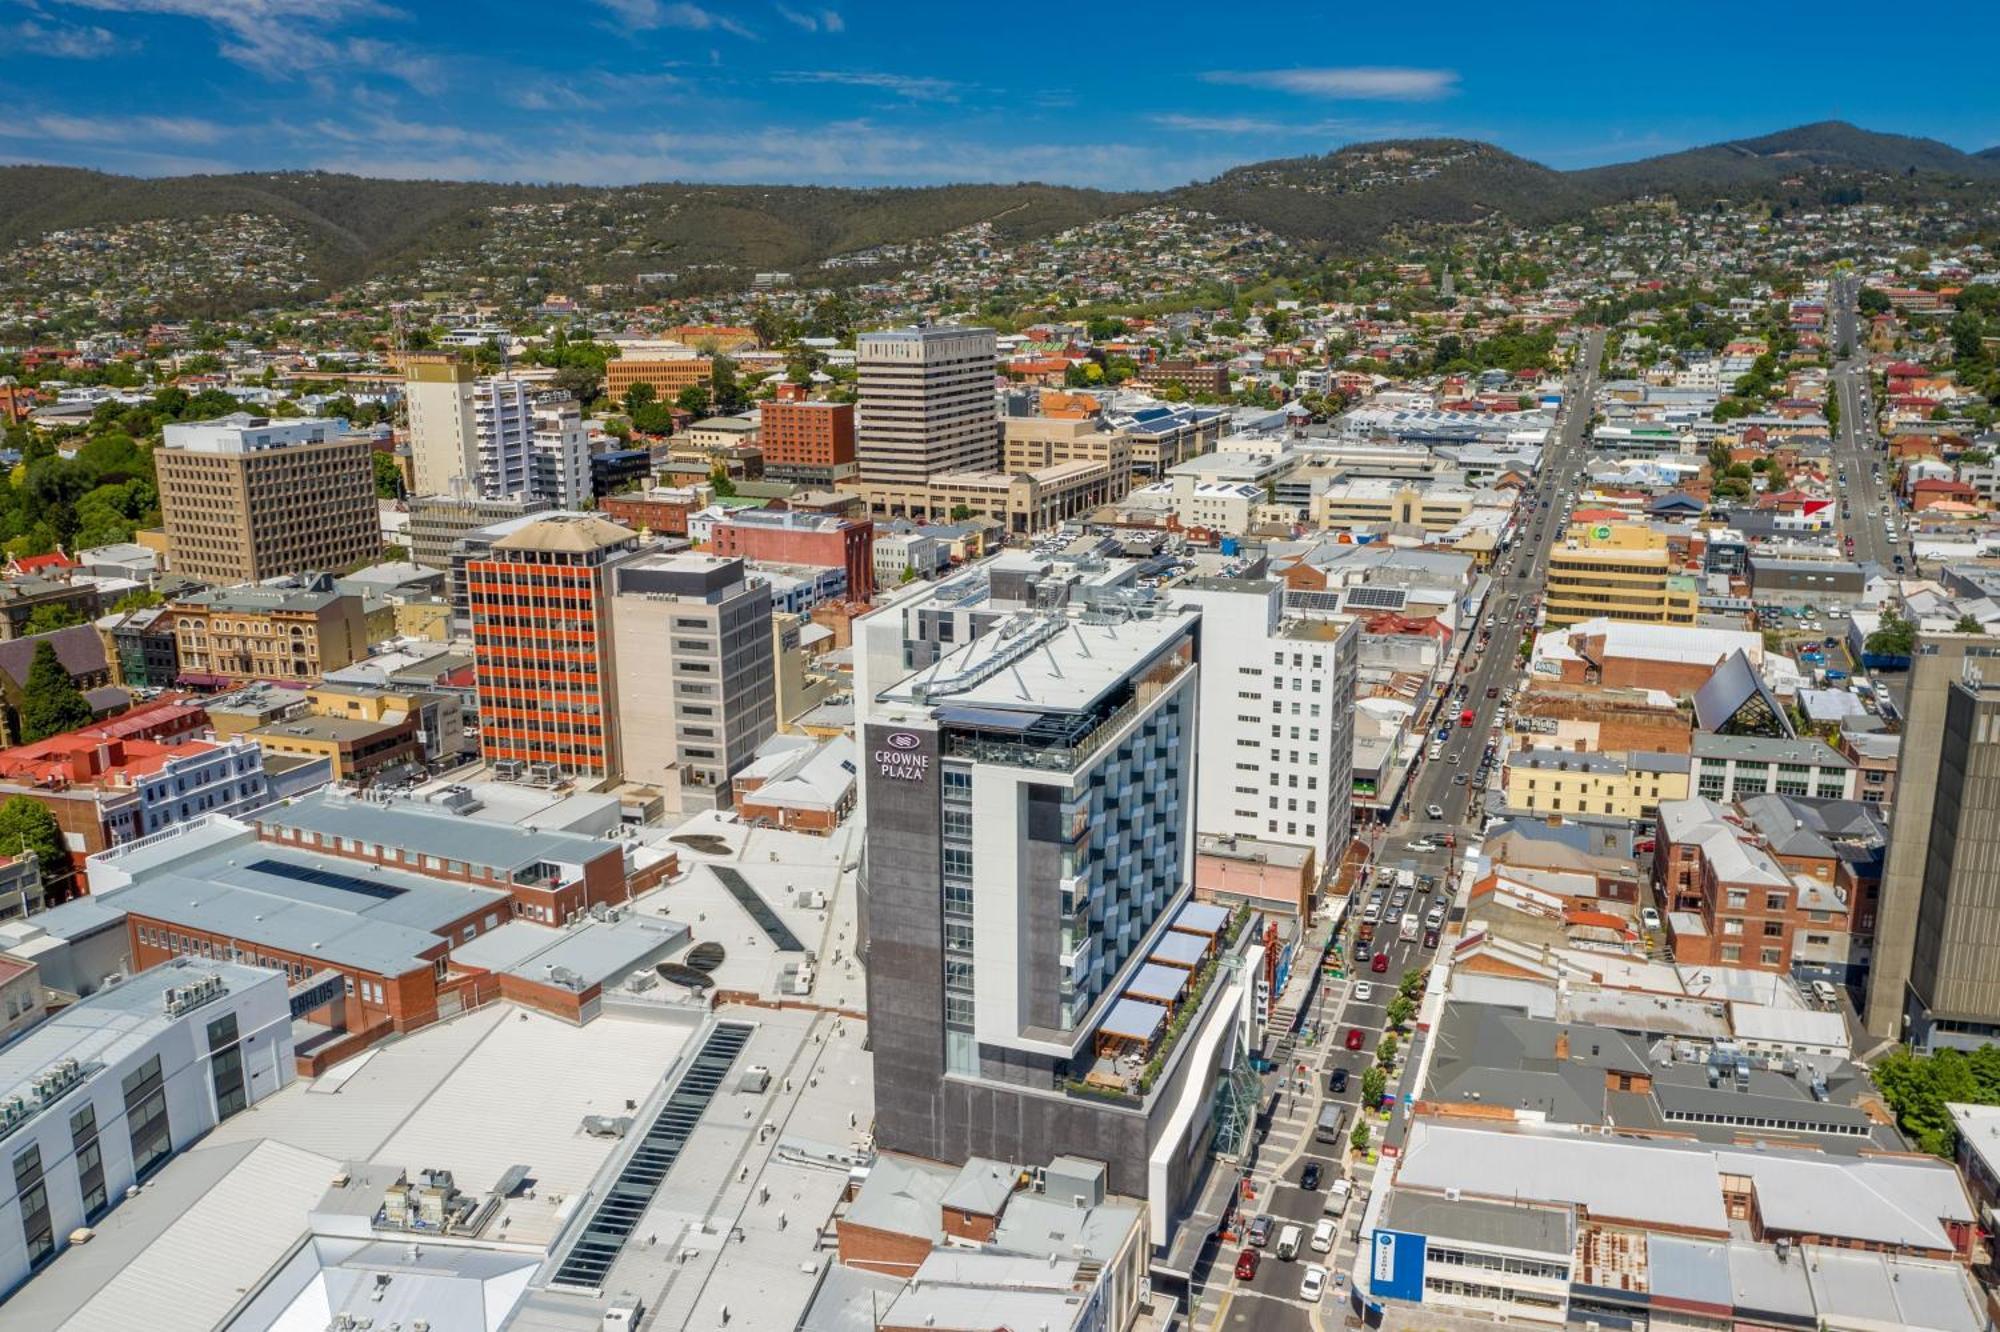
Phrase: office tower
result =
(698, 693)
(807, 443)
(438, 521)
(1277, 716)
(245, 498)
(1617, 571)
(444, 441)
(927, 404)
(1930, 896)
(547, 672)
(1026, 908)
(667, 376)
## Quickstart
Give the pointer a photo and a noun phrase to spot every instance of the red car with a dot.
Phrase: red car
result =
(1381, 962)
(1246, 1264)
(1355, 1038)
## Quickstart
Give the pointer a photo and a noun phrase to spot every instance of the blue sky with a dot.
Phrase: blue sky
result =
(898, 92)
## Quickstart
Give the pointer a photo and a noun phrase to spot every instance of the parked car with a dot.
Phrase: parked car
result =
(1430, 938)
(1650, 918)
(1309, 1177)
(1246, 1261)
(1337, 1083)
(1355, 1038)
(1363, 992)
(1381, 963)
(1314, 1285)
(1260, 1231)
(1323, 1233)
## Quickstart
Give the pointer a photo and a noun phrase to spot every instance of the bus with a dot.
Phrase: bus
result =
(1332, 1119)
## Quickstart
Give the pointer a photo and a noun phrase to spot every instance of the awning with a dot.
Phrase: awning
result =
(1159, 983)
(1134, 1020)
(1180, 950)
(987, 719)
(1201, 918)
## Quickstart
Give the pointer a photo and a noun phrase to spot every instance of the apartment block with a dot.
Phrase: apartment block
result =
(926, 405)
(246, 498)
(444, 438)
(785, 536)
(537, 600)
(292, 628)
(1621, 785)
(1736, 897)
(808, 443)
(1277, 710)
(1617, 571)
(707, 696)
(1208, 380)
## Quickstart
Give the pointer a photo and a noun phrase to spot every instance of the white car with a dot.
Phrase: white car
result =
(1434, 811)
(1363, 992)
(1314, 1285)
(1650, 918)
(1322, 1240)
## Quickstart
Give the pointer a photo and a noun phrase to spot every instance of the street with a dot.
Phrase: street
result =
(1865, 500)
(1270, 1301)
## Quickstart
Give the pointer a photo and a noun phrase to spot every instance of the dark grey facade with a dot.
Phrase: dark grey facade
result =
(1954, 986)
(902, 926)
(1938, 663)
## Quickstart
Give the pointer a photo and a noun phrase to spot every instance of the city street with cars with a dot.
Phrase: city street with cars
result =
(1300, 1164)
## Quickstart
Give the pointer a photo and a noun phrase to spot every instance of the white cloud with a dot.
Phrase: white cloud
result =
(1316, 129)
(63, 39)
(911, 87)
(59, 128)
(824, 20)
(1361, 83)
(289, 38)
(646, 15)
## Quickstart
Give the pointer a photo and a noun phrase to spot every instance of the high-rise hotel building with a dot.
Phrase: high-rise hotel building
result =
(1033, 951)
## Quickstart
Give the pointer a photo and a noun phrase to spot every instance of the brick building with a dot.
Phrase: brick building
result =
(1194, 376)
(667, 376)
(662, 510)
(786, 537)
(809, 443)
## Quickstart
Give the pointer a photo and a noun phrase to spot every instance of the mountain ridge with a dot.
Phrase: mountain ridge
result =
(1353, 197)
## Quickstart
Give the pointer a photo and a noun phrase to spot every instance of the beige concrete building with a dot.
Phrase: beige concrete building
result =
(1617, 571)
(1023, 503)
(667, 375)
(285, 629)
(926, 405)
(1033, 443)
(247, 498)
(693, 717)
(444, 441)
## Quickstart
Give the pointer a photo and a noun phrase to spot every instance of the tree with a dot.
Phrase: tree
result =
(388, 477)
(729, 394)
(51, 616)
(1895, 637)
(27, 825)
(1872, 302)
(693, 399)
(1373, 1083)
(1412, 983)
(1385, 1050)
(580, 382)
(1399, 1011)
(1968, 624)
(639, 395)
(718, 477)
(1358, 1139)
(139, 598)
(50, 701)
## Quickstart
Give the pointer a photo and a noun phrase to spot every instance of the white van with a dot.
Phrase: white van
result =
(1825, 993)
(1289, 1240)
